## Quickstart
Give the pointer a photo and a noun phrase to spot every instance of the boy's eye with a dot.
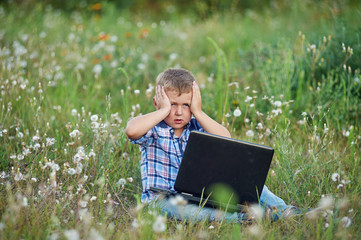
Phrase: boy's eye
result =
(186, 105)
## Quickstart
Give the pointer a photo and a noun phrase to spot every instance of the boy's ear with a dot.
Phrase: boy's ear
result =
(155, 103)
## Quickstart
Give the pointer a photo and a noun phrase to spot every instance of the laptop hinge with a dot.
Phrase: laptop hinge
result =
(187, 194)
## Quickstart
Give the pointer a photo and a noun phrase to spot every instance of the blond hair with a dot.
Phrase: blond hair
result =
(176, 79)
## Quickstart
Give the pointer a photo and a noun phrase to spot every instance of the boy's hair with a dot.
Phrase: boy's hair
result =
(177, 79)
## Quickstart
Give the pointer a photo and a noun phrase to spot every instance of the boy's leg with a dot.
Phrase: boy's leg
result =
(273, 203)
(194, 213)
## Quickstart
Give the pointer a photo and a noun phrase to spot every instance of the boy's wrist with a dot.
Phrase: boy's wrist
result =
(197, 114)
(164, 110)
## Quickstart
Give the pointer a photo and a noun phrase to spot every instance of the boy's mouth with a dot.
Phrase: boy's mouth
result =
(178, 121)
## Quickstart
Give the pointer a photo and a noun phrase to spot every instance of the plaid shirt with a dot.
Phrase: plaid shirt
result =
(161, 155)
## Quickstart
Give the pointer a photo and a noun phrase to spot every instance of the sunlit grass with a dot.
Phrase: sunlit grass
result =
(70, 81)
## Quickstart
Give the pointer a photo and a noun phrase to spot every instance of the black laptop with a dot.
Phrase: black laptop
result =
(221, 172)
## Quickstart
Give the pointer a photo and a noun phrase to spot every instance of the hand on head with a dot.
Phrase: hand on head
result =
(196, 105)
(161, 99)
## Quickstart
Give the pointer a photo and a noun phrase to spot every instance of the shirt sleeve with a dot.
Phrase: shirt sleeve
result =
(196, 126)
(142, 140)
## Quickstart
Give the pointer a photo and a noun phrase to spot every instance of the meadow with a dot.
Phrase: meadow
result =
(286, 77)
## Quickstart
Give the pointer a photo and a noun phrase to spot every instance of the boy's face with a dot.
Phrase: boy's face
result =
(180, 112)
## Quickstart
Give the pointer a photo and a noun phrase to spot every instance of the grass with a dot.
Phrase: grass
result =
(71, 80)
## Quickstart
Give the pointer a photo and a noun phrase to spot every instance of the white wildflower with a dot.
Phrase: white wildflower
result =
(93, 198)
(345, 133)
(346, 222)
(36, 138)
(94, 118)
(83, 203)
(71, 234)
(256, 211)
(250, 133)
(173, 56)
(91, 153)
(74, 133)
(24, 202)
(178, 200)
(135, 223)
(276, 112)
(141, 66)
(19, 176)
(36, 146)
(301, 122)
(130, 179)
(277, 103)
(326, 202)
(97, 69)
(335, 177)
(95, 235)
(71, 171)
(159, 224)
(248, 99)
(122, 182)
(237, 112)
(20, 135)
(50, 141)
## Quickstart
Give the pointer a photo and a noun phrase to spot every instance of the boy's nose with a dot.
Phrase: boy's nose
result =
(178, 111)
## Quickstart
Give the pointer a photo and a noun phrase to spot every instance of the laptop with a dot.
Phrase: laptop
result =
(221, 172)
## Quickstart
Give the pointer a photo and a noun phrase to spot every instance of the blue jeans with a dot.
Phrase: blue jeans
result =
(191, 212)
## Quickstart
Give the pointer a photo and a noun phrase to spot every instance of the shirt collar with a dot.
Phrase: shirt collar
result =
(168, 128)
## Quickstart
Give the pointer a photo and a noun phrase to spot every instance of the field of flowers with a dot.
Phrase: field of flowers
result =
(70, 80)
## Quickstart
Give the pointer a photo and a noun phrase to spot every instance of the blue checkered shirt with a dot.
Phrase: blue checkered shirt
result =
(161, 155)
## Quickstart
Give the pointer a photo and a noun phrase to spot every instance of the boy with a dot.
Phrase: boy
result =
(163, 135)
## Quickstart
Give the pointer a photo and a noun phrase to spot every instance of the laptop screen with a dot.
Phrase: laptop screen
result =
(214, 165)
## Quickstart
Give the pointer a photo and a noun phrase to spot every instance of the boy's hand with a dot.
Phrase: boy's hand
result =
(196, 105)
(161, 99)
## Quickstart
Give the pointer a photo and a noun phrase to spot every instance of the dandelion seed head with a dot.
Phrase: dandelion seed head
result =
(97, 69)
(277, 103)
(335, 177)
(237, 112)
(91, 153)
(173, 56)
(121, 182)
(250, 133)
(326, 202)
(71, 234)
(256, 211)
(71, 171)
(83, 203)
(159, 224)
(178, 200)
(346, 222)
(248, 99)
(135, 223)
(141, 66)
(254, 230)
(94, 118)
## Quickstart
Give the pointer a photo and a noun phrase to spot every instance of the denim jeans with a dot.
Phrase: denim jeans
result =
(191, 212)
